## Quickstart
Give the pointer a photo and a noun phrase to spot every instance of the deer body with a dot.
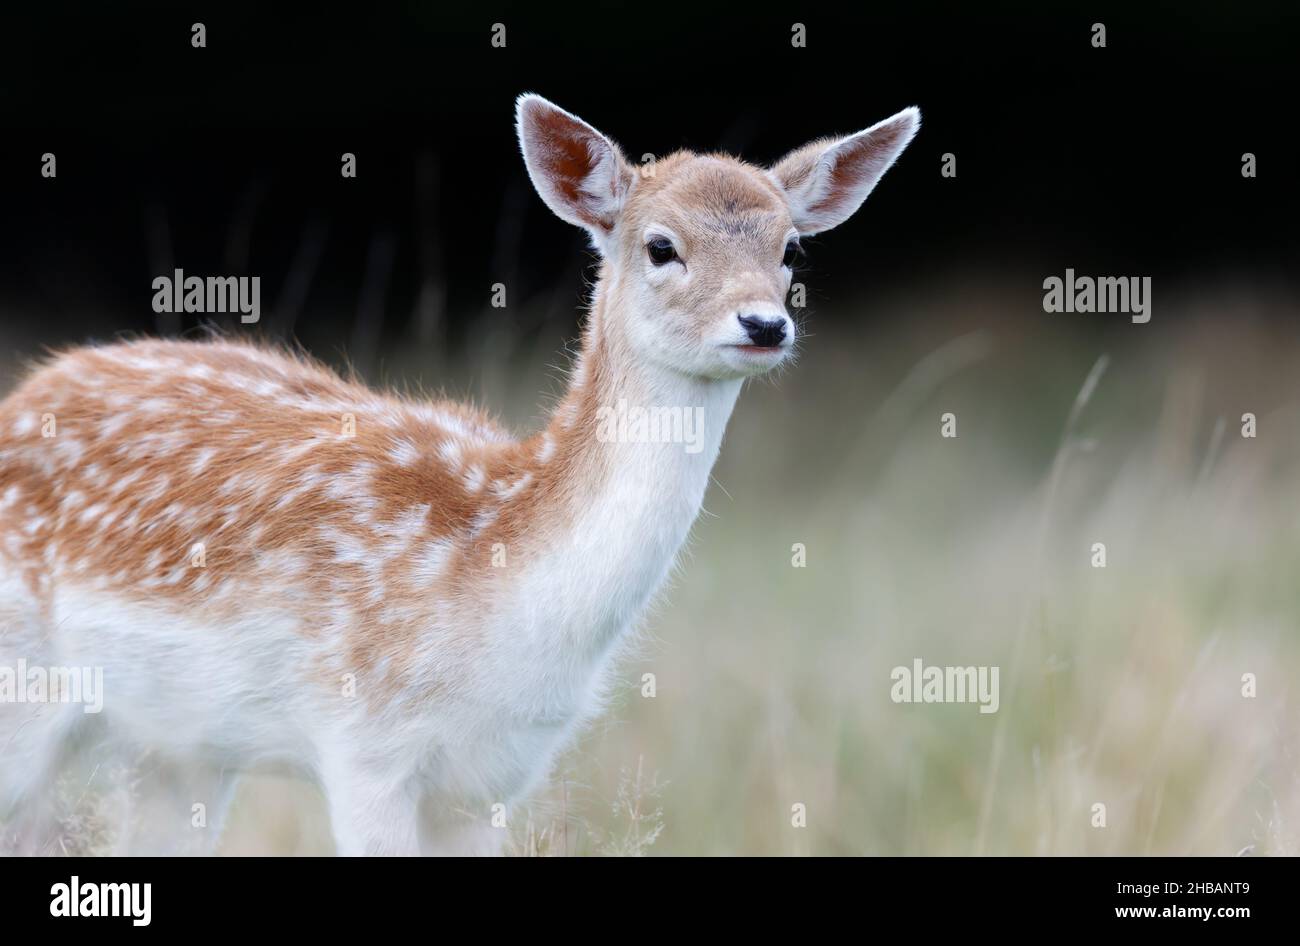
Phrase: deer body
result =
(273, 563)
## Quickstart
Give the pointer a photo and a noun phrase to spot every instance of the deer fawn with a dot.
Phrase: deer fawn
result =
(271, 563)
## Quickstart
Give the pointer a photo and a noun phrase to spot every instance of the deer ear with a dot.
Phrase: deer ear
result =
(580, 173)
(826, 181)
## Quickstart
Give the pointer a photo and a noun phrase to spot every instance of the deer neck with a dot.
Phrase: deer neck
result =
(635, 443)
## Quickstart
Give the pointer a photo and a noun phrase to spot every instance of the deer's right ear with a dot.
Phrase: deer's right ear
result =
(580, 173)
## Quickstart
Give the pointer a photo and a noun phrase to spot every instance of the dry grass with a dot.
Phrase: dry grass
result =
(1119, 685)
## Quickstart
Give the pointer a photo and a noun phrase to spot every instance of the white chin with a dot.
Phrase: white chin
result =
(747, 360)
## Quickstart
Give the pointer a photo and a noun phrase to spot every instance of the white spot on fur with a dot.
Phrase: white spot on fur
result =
(202, 459)
(450, 452)
(405, 453)
(514, 489)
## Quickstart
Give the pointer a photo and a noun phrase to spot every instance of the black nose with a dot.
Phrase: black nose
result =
(763, 332)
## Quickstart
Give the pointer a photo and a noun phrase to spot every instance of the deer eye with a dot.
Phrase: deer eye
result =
(661, 251)
(793, 254)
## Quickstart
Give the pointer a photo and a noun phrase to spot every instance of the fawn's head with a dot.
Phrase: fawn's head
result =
(699, 249)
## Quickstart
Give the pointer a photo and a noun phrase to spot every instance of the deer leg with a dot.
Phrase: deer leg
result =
(372, 812)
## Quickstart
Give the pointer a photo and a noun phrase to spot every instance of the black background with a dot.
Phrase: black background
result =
(330, 896)
(1123, 160)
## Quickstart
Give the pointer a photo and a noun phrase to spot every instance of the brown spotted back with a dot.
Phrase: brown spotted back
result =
(165, 469)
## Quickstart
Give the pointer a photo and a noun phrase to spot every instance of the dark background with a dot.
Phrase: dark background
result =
(1124, 160)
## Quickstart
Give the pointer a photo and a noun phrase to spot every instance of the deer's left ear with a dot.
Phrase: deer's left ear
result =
(580, 173)
(826, 181)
